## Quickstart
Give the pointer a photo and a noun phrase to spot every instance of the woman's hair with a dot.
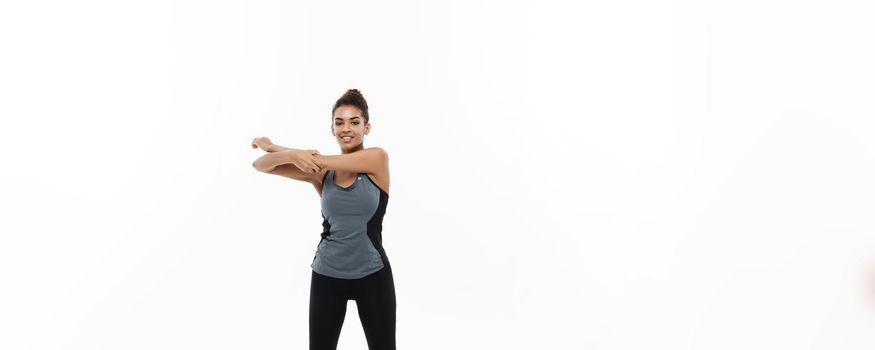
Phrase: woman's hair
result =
(352, 97)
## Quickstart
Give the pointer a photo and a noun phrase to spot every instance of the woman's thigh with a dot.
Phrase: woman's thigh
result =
(375, 300)
(328, 299)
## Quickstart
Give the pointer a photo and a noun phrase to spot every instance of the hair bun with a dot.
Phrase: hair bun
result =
(353, 97)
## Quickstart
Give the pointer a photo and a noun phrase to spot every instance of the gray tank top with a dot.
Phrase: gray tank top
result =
(352, 243)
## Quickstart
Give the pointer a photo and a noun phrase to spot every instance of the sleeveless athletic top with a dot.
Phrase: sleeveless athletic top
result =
(352, 244)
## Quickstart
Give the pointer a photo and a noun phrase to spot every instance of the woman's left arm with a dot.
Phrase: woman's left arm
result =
(373, 160)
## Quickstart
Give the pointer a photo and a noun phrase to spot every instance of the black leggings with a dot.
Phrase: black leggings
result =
(374, 296)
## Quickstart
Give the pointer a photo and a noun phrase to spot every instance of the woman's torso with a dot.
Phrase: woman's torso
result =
(351, 245)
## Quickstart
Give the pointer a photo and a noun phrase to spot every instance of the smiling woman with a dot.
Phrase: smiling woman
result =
(350, 262)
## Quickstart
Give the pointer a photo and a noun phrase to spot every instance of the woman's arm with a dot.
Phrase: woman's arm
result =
(299, 158)
(373, 160)
(276, 148)
(269, 161)
(267, 145)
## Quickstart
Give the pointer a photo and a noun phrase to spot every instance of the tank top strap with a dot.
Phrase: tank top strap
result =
(326, 180)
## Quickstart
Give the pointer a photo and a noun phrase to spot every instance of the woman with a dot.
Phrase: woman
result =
(350, 263)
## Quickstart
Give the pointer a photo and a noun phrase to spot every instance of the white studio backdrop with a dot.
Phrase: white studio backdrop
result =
(565, 175)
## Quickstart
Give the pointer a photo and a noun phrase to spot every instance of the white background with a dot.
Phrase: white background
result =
(602, 175)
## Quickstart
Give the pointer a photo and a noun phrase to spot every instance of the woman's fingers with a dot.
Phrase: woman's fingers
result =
(316, 160)
(319, 163)
(314, 168)
(302, 164)
(305, 165)
(261, 142)
(308, 163)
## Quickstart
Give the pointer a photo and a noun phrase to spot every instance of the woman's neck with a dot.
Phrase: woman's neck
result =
(360, 147)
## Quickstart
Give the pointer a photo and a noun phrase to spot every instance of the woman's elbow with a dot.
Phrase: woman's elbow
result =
(261, 167)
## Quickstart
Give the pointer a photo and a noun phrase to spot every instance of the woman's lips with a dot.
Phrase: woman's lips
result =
(346, 138)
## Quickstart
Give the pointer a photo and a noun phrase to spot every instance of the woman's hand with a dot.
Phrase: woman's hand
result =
(261, 142)
(305, 159)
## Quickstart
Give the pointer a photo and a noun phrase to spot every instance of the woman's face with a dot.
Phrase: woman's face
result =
(348, 127)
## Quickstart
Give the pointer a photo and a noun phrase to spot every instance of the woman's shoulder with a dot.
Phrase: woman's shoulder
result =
(381, 178)
(378, 150)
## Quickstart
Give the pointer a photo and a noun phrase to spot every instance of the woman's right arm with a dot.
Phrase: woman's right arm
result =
(276, 148)
(267, 145)
(281, 162)
(300, 158)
